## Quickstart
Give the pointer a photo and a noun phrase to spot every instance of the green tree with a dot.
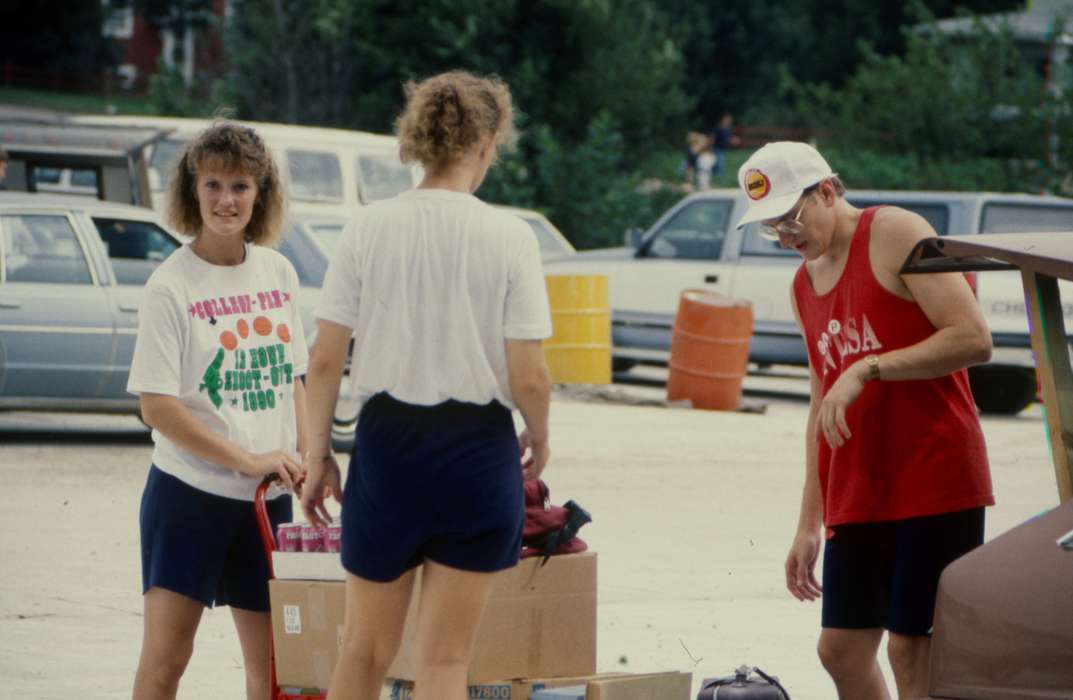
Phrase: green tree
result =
(954, 112)
(55, 42)
(344, 63)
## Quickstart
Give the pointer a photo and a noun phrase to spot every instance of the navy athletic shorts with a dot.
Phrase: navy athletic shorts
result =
(439, 482)
(886, 574)
(203, 546)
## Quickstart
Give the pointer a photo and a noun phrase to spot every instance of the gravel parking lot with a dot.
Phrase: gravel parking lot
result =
(692, 510)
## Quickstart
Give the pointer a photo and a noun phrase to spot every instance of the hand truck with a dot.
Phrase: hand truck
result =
(268, 540)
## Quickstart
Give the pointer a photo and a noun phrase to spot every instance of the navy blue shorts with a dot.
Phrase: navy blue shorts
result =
(203, 546)
(886, 574)
(439, 482)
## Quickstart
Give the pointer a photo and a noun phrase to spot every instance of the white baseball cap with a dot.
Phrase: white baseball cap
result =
(775, 176)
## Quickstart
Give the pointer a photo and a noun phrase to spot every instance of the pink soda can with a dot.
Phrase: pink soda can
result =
(289, 537)
(312, 538)
(333, 538)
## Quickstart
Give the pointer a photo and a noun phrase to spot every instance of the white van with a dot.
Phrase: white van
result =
(328, 171)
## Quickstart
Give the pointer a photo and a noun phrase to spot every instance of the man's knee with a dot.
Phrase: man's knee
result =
(844, 653)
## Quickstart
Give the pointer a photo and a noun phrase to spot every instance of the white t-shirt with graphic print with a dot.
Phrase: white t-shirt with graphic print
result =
(432, 282)
(227, 341)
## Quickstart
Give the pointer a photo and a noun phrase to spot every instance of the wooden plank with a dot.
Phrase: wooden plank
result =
(1055, 374)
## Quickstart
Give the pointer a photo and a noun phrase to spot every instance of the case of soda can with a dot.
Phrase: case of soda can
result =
(303, 537)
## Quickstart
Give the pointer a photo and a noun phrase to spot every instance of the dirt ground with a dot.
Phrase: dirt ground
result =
(693, 512)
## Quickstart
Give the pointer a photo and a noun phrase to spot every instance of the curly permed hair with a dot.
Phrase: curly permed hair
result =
(447, 113)
(228, 147)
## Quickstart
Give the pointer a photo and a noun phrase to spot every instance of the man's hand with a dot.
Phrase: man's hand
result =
(321, 481)
(831, 418)
(801, 567)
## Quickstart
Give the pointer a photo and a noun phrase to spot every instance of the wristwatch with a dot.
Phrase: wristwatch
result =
(873, 367)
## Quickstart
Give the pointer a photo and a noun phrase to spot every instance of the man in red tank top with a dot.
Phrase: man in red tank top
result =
(896, 472)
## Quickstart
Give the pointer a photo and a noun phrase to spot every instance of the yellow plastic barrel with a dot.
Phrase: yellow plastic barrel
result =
(709, 350)
(579, 349)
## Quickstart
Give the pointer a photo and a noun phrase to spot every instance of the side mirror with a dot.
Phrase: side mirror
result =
(633, 237)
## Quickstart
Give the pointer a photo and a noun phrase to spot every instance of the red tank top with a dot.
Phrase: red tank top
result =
(917, 448)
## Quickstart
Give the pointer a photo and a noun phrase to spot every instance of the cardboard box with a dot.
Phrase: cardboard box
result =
(649, 686)
(540, 622)
(308, 566)
(604, 686)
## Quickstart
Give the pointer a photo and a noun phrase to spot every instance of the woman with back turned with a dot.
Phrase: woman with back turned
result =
(445, 298)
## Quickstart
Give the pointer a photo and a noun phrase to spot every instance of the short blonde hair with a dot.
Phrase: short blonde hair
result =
(228, 147)
(446, 114)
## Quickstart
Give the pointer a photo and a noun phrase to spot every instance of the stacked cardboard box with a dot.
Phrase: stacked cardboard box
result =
(538, 631)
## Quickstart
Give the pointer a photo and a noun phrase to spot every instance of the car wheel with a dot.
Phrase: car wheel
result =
(1002, 390)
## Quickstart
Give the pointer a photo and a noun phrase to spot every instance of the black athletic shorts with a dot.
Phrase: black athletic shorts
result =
(886, 574)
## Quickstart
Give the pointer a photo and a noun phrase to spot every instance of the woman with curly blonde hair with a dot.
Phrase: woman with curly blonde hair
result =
(216, 365)
(445, 298)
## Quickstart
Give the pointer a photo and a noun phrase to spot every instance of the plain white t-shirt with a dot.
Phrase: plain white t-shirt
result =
(226, 340)
(433, 282)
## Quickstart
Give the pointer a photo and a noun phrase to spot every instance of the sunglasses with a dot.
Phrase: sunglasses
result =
(788, 227)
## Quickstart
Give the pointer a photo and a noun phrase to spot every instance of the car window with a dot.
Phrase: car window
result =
(936, 214)
(315, 176)
(383, 177)
(548, 241)
(695, 232)
(135, 248)
(82, 181)
(43, 248)
(1019, 218)
(328, 234)
(309, 262)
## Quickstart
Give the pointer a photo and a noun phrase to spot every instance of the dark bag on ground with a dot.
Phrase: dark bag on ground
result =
(550, 529)
(741, 687)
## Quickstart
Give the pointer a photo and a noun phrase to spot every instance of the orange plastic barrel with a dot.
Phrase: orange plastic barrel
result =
(579, 349)
(709, 350)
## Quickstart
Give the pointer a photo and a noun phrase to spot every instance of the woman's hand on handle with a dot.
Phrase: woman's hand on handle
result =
(275, 462)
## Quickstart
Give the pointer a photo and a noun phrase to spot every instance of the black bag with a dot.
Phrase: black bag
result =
(741, 687)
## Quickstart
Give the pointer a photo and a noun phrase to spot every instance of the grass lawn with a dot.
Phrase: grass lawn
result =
(119, 103)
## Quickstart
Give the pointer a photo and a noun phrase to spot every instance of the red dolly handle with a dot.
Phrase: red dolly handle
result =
(264, 525)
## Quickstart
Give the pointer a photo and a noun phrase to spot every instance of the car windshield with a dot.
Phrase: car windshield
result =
(307, 257)
(550, 244)
(383, 176)
(328, 234)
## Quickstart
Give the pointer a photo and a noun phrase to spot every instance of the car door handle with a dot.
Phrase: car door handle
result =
(711, 279)
(10, 304)
(129, 308)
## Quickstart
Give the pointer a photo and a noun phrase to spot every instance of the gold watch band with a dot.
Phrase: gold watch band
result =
(873, 367)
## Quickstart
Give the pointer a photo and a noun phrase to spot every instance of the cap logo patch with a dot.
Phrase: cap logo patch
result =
(757, 186)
